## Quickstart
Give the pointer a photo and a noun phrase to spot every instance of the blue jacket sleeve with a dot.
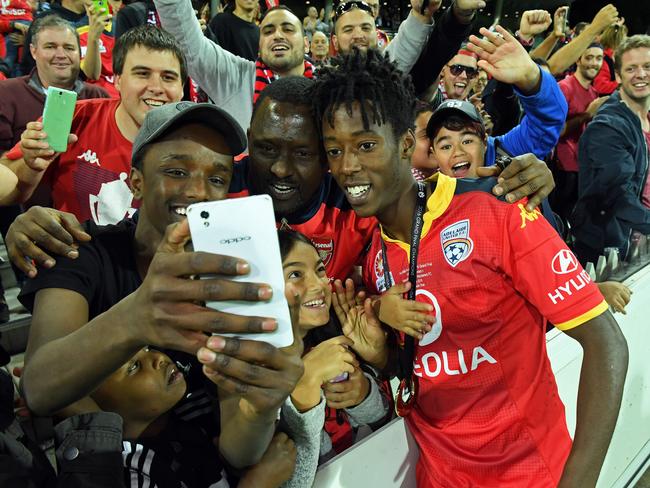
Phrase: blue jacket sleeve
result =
(539, 130)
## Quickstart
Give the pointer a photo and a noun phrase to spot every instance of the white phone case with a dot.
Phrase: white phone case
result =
(245, 228)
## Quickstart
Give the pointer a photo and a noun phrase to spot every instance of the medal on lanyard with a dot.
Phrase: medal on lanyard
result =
(407, 391)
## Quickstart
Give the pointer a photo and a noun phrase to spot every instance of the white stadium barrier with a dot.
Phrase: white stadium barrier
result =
(387, 457)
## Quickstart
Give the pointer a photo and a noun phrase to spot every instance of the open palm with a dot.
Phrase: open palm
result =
(502, 56)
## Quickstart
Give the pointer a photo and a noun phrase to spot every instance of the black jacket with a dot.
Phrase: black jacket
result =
(444, 42)
(613, 160)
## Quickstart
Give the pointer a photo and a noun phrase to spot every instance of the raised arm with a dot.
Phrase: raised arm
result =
(30, 159)
(406, 46)
(545, 107)
(91, 64)
(544, 49)
(227, 79)
(449, 32)
(569, 54)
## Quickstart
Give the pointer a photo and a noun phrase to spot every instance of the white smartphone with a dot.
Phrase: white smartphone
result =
(245, 228)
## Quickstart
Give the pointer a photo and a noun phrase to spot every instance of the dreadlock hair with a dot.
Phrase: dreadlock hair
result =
(385, 94)
(296, 90)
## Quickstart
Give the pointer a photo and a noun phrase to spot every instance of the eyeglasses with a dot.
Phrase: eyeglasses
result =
(457, 69)
(347, 6)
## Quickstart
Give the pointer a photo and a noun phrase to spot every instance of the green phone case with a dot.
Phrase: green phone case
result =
(100, 4)
(57, 117)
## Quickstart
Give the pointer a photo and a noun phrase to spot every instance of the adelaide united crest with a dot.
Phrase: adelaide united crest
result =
(456, 242)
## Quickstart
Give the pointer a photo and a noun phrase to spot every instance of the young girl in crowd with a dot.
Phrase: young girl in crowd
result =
(336, 394)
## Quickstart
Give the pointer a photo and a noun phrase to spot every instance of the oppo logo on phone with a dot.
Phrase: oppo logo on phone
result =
(235, 240)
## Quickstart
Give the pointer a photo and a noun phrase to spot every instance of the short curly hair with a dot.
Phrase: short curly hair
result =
(384, 93)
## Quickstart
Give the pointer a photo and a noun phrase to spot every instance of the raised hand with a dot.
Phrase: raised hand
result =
(409, 316)
(37, 152)
(533, 22)
(427, 15)
(605, 17)
(464, 10)
(362, 326)
(39, 229)
(559, 21)
(326, 361)
(344, 298)
(97, 20)
(505, 59)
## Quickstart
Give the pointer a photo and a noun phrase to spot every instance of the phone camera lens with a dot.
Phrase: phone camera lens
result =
(205, 215)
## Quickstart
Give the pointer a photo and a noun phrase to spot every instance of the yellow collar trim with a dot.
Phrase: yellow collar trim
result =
(437, 204)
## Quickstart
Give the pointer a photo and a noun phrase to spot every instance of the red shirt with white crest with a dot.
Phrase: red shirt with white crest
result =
(488, 411)
(90, 179)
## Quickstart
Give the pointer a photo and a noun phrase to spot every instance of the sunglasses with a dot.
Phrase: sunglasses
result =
(347, 6)
(457, 69)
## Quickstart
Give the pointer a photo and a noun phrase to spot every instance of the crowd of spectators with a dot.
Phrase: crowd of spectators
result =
(436, 193)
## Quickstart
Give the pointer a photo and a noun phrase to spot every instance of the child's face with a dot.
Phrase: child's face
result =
(144, 388)
(304, 274)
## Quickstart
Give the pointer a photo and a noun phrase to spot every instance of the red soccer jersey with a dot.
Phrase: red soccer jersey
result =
(11, 10)
(488, 411)
(106, 43)
(90, 180)
(334, 228)
(578, 99)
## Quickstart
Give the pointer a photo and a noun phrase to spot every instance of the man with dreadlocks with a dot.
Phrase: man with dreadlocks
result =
(478, 389)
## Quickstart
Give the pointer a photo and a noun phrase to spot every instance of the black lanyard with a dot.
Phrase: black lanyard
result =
(407, 351)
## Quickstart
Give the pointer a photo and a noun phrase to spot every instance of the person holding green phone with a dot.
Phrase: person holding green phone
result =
(89, 179)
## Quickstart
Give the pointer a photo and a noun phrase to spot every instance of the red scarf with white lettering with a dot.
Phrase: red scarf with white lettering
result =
(264, 76)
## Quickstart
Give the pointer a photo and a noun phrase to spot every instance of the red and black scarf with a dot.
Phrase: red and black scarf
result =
(264, 76)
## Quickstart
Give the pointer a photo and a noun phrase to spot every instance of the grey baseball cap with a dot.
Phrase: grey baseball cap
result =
(161, 120)
(452, 107)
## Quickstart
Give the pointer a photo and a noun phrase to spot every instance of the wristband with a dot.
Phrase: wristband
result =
(524, 42)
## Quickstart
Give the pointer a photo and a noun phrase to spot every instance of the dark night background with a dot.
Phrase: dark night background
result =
(636, 12)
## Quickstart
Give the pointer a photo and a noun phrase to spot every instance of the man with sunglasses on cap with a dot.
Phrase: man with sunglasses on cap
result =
(234, 83)
(458, 76)
(545, 108)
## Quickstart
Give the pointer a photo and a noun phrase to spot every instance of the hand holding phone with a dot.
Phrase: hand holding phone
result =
(245, 228)
(57, 117)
